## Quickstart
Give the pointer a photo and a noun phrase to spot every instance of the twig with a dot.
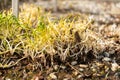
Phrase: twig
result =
(9, 66)
(73, 67)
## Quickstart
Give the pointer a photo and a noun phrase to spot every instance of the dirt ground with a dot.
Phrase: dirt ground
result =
(106, 66)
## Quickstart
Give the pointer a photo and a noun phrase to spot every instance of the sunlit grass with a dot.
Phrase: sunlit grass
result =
(34, 34)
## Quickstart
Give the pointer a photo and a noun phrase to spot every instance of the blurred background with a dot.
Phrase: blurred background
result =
(87, 6)
(105, 11)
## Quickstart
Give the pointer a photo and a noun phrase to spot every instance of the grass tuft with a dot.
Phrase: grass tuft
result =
(34, 34)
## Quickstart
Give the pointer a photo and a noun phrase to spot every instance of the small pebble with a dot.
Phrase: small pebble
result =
(106, 54)
(99, 64)
(99, 58)
(53, 76)
(79, 76)
(106, 59)
(65, 79)
(114, 66)
(83, 66)
(75, 73)
(73, 63)
(81, 69)
(63, 67)
(94, 70)
(55, 67)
